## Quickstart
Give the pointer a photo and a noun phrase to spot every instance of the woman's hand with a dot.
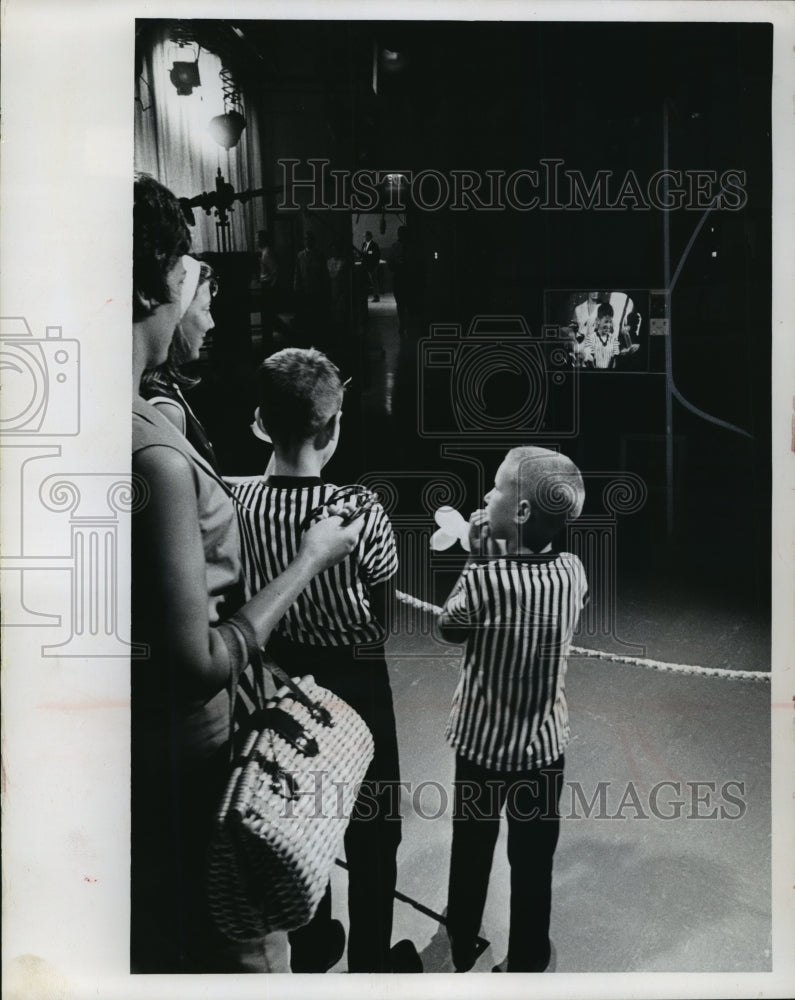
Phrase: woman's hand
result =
(327, 542)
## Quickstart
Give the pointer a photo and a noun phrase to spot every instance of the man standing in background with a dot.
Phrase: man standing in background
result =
(371, 256)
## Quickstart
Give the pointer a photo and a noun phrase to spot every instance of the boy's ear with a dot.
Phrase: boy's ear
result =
(523, 512)
(259, 428)
(333, 423)
(329, 429)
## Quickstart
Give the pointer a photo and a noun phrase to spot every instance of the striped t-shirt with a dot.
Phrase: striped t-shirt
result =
(602, 351)
(509, 710)
(334, 610)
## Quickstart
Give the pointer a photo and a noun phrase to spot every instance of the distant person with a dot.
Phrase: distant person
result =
(404, 265)
(268, 280)
(602, 347)
(339, 274)
(584, 318)
(515, 607)
(624, 315)
(311, 287)
(585, 314)
(371, 257)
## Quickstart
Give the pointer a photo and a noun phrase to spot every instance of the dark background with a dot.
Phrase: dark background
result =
(501, 96)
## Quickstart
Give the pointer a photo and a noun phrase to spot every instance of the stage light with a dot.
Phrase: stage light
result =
(227, 128)
(187, 211)
(185, 76)
(184, 72)
(393, 61)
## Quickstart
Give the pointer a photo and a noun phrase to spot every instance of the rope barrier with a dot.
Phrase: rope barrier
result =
(759, 676)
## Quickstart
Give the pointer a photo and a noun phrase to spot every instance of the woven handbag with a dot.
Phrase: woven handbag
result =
(285, 810)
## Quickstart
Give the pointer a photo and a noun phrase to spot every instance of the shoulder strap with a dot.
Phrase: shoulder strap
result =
(161, 424)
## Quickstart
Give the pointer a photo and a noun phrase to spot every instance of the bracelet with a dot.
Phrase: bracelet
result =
(236, 649)
(246, 629)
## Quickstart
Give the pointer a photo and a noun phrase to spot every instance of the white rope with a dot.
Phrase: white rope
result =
(635, 661)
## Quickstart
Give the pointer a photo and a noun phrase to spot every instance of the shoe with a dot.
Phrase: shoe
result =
(327, 956)
(463, 958)
(549, 966)
(403, 957)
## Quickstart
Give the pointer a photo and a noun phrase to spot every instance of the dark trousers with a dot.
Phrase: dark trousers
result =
(530, 799)
(372, 277)
(373, 835)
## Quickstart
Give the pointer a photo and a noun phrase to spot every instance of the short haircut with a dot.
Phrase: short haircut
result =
(605, 309)
(299, 391)
(550, 482)
(170, 373)
(160, 238)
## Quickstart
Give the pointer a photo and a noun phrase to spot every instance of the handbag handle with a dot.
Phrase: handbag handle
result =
(238, 659)
(356, 500)
(254, 656)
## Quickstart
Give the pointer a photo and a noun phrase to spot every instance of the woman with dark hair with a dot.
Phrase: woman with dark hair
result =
(163, 386)
(186, 599)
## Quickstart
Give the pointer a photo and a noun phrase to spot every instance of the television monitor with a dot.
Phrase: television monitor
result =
(617, 330)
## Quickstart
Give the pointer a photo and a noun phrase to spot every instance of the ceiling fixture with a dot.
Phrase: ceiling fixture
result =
(184, 74)
(393, 60)
(227, 128)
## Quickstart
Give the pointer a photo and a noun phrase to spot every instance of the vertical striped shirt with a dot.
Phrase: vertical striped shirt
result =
(509, 710)
(334, 610)
(602, 351)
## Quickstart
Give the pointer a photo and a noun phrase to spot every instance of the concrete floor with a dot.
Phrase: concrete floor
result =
(633, 891)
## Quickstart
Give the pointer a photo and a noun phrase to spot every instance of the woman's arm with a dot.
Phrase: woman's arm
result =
(169, 550)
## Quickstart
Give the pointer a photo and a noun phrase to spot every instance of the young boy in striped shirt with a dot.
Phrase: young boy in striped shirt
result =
(342, 611)
(515, 606)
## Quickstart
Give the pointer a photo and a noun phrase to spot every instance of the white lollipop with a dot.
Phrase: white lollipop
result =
(453, 527)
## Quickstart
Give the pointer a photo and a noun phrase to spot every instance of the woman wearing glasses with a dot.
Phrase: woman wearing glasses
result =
(163, 386)
(187, 614)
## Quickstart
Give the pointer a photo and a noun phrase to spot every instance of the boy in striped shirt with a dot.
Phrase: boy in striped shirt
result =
(342, 611)
(515, 606)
